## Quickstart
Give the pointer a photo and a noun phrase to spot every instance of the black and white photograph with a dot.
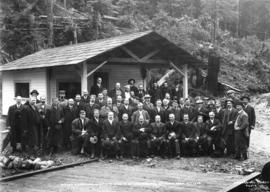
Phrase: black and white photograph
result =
(135, 95)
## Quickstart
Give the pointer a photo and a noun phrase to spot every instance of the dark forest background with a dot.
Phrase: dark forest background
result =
(239, 30)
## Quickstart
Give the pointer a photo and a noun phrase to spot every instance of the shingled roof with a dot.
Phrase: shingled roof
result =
(75, 54)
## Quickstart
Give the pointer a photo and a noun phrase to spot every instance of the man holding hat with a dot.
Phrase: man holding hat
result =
(79, 133)
(251, 114)
(241, 133)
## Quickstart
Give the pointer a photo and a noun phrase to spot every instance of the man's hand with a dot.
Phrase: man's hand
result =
(125, 139)
(60, 121)
(213, 128)
(83, 132)
(230, 122)
(142, 129)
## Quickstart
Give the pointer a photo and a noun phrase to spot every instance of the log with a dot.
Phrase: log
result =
(28, 174)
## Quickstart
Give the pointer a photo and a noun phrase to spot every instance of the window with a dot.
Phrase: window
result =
(22, 89)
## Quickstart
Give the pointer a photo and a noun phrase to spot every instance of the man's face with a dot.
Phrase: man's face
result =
(159, 103)
(110, 116)
(182, 101)
(155, 85)
(186, 118)
(218, 104)
(165, 102)
(125, 117)
(96, 113)
(105, 92)
(167, 96)
(157, 119)
(229, 104)
(109, 102)
(43, 100)
(78, 98)
(140, 106)
(117, 85)
(140, 87)
(132, 93)
(99, 80)
(119, 99)
(171, 117)
(187, 103)
(33, 101)
(118, 93)
(245, 101)
(62, 95)
(18, 100)
(212, 115)
(175, 104)
(147, 99)
(100, 96)
(239, 107)
(165, 84)
(200, 119)
(34, 95)
(126, 101)
(71, 102)
(200, 105)
(92, 100)
(82, 115)
(55, 102)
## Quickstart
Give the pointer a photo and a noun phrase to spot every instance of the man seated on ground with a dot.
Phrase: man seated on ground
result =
(141, 141)
(94, 133)
(203, 142)
(213, 127)
(126, 128)
(158, 133)
(189, 137)
(173, 133)
(79, 133)
(111, 137)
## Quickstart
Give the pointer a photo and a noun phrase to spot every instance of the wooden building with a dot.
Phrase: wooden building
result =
(75, 67)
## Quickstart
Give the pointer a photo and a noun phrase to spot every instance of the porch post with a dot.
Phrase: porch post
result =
(185, 82)
(84, 82)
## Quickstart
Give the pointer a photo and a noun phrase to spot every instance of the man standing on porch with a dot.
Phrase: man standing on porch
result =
(97, 88)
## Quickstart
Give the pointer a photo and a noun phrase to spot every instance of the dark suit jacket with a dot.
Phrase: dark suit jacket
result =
(141, 135)
(122, 109)
(158, 130)
(126, 130)
(69, 115)
(192, 113)
(216, 123)
(90, 110)
(95, 128)
(175, 127)
(111, 130)
(77, 126)
(95, 89)
(229, 116)
(251, 115)
(150, 108)
(161, 113)
(15, 121)
(188, 130)
(220, 115)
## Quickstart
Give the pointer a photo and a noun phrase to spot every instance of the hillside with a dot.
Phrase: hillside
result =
(239, 36)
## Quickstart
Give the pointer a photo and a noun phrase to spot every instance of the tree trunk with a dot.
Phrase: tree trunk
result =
(212, 77)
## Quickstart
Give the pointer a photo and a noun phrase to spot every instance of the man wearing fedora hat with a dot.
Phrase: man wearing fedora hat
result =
(251, 114)
(133, 88)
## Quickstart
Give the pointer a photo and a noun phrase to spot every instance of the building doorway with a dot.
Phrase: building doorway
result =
(71, 88)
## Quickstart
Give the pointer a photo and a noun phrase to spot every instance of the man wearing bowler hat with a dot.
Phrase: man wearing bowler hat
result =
(132, 82)
(34, 93)
(251, 114)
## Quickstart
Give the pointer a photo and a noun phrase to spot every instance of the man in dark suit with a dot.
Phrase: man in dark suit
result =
(158, 110)
(89, 107)
(111, 137)
(32, 124)
(85, 97)
(79, 133)
(155, 92)
(15, 125)
(229, 118)
(113, 93)
(173, 134)
(203, 142)
(70, 113)
(149, 107)
(78, 104)
(165, 89)
(97, 88)
(188, 109)
(190, 136)
(141, 133)
(251, 115)
(158, 133)
(126, 129)
(167, 109)
(133, 88)
(44, 110)
(214, 127)
(125, 108)
(219, 112)
(94, 132)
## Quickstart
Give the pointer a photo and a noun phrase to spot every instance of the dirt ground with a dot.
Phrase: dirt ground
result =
(259, 152)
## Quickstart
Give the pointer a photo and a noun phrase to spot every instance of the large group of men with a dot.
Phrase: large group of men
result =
(133, 123)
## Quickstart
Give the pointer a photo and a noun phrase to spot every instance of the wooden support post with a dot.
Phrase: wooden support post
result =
(185, 82)
(84, 81)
